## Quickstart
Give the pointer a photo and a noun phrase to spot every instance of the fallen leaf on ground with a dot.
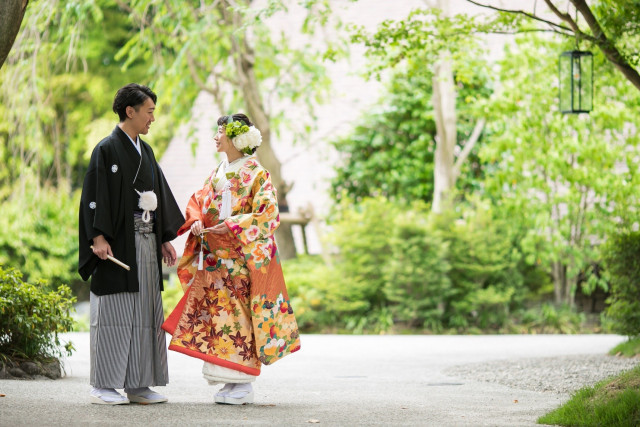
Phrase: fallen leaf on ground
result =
(515, 401)
(2, 395)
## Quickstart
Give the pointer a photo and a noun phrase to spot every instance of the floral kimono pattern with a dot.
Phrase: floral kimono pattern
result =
(235, 311)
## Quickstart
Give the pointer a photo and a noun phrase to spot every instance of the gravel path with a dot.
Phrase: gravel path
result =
(563, 374)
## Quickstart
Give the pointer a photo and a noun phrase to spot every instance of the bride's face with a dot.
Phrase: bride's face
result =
(223, 143)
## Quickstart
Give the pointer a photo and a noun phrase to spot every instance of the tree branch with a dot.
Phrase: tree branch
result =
(468, 146)
(606, 46)
(513, 33)
(521, 12)
(599, 38)
(213, 90)
(204, 68)
(564, 16)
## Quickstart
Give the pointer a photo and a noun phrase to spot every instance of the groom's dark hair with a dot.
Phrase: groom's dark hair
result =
(131, 95)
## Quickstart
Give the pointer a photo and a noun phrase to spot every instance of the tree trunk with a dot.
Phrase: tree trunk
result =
(255, 109)
(444, 105)
(563, 287)
(11, 15)
(570, 291)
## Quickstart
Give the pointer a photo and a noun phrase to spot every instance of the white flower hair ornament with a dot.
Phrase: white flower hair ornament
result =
(244, 138)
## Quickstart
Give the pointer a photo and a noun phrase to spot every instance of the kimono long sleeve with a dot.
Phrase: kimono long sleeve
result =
(264, 219)
(193, 212)
(95, 213)
(172, 219)
(186, 268)
(96, 200)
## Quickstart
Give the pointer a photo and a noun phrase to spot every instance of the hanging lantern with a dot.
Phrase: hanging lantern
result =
(576, 81)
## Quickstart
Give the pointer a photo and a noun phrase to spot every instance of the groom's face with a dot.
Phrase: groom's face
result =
(142, 116)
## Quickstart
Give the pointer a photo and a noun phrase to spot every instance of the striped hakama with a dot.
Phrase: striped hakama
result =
(128, 347)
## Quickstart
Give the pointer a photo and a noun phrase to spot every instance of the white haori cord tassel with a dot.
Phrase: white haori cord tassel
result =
(148, 202)
(225, 210)
(201, 257)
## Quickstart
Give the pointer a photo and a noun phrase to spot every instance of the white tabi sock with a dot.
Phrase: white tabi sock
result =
(240, 390)
(225, 390)
(107, 394)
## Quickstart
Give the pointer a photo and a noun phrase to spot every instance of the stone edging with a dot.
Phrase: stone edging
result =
(31, 370)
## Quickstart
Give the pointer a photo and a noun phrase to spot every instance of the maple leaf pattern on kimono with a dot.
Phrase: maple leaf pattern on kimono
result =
(237, 313)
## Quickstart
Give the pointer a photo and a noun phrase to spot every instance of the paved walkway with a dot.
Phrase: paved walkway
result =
(333, 380)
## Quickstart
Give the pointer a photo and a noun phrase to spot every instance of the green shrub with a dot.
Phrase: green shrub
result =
(417, 270)
(39, 233)
(311, 290)
(404, 265)
(550, 319)
(322, 303)
(622, 260)
(486, 285)
(31, 317)
(397, 267)
(362, 235)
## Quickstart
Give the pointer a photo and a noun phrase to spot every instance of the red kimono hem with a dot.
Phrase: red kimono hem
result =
(170, 326)
(215, 360)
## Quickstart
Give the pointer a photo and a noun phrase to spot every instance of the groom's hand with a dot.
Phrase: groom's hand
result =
(101, 247)
(168, 254)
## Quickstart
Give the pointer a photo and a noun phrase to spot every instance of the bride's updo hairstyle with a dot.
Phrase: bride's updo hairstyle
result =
(243, 134)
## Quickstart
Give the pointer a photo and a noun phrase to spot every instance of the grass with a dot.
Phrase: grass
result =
(628, 348)
(612, 402)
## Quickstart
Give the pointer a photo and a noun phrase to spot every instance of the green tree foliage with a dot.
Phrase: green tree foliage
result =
(198, 46)
(622, 259)
(436, 47)
(422, 36)
(620, 20)
(31, 318)
(390, 151)
(572, 175)
(56, 90)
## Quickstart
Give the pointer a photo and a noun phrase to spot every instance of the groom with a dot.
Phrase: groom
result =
(128, 348)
